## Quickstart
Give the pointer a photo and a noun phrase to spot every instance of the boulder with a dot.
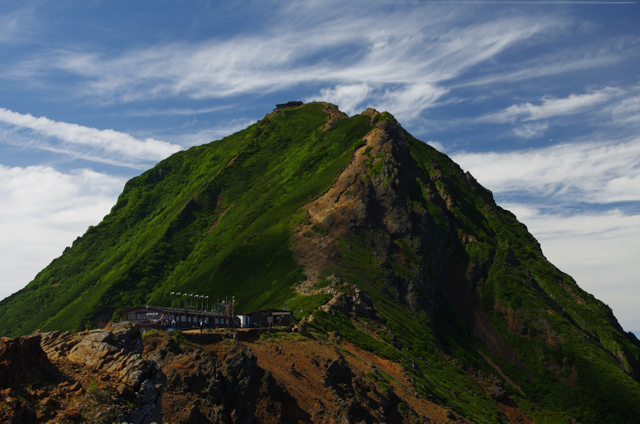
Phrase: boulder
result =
(22, 361)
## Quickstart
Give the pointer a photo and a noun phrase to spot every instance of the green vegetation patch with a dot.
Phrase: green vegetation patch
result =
(302, 305)
(299, 217)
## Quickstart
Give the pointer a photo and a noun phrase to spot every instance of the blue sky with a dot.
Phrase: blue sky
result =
(540, 101)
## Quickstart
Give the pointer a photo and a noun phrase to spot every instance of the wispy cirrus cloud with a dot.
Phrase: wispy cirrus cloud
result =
(15, 25)
(106, 146)
(178, 111)
(596, 172)
(532, 129)
(407, 101)
(551, 107)
(410, 52)
(42, 211)
(553, 64)
(410, 101)
(627, 111)
(608, 107)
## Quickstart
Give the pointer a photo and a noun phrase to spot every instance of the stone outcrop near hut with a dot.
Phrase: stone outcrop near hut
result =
(96, 376)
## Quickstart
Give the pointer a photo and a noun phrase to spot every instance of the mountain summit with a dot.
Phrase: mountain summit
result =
(369, 236)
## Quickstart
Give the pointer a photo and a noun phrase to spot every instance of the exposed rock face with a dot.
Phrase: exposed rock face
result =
(15, 371)
(334, 115)
(98, 350)
(23, 364)
(233, 389)
(96, 376)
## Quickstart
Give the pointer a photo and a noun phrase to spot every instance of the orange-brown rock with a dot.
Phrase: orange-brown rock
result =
(215, 378)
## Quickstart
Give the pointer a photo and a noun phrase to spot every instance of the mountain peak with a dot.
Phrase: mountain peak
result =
(370, 237)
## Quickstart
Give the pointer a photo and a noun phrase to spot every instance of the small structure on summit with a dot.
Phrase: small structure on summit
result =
(282, 106)
(163, 317)
(267, 318)
(180, 318)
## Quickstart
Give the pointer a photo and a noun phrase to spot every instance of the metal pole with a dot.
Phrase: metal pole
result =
(173, 312)
(177, 308)
(224, 308)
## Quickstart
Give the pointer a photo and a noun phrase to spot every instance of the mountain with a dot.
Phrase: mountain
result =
(372, 238)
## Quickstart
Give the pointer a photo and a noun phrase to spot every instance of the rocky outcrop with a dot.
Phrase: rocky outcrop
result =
(116, 352)
(96, 376)
(99, 351)
(335, 115)
(24, 367)
(232, 390)
(15, 371)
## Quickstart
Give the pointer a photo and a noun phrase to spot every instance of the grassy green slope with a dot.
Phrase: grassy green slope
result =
(160, 236)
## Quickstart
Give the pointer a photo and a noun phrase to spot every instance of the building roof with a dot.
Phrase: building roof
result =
(269, 311)
(288, 104)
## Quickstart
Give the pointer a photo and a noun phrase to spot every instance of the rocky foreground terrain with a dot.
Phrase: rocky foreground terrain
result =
(117, 374)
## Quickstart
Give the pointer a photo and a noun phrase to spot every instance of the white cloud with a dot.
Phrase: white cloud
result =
(42, 211)
(556, 63)
(414, 49)
(436, 145)
(599, 251)
(348, 97)
(15, 25)
(179, 111)
(408, 102)
(529, 130)
(616, 108)
(550, 107)
(107, 146)
(594, 172)
(627, 111)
